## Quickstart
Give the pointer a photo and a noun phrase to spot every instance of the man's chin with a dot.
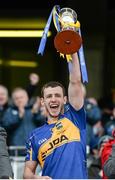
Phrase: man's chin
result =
(54, 115)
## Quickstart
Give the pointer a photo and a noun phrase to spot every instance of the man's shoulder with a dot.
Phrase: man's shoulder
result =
(37, 132)
(68, 107)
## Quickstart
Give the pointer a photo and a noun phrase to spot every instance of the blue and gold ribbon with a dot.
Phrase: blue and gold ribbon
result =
(82, 62)
(57, 21)
(44, 37)
(56, 11)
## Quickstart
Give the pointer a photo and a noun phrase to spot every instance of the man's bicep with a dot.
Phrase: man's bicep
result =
(75, 94)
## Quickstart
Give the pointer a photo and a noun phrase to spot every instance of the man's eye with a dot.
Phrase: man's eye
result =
(58, 95)
(48, 96)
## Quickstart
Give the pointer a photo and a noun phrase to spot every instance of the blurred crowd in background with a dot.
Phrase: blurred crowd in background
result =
(22, 112)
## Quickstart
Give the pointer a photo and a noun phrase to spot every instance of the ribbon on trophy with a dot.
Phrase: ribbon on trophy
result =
(47, 27)
(82, 62)
(59, 23)
(44, 36)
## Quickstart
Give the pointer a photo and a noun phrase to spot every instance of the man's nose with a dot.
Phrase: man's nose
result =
(53, 98)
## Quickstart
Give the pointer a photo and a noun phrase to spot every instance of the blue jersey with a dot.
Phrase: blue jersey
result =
(60, 147)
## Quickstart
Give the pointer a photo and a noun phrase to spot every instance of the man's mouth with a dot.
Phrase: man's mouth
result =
(54, 106)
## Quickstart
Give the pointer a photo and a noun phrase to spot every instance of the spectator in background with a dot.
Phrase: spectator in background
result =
(108, 153)
(107, 106)
(93, 112)
(93, 161)
(109, 165)
(94, 131)
(3, 101)
(21, 118)
(105, 148)
(109, 127)
(33, 84)
(98, 129)
(5, 165)
(93, 115)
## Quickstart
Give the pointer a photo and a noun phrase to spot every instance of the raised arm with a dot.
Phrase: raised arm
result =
(75, 90)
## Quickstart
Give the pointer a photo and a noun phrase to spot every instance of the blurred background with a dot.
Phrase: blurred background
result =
(21, 27)
(18, 55)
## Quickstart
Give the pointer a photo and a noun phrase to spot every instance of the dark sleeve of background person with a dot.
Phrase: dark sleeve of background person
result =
(5, 165)
(30, 89)
(109, 166)
(39, 119)
(33, 84)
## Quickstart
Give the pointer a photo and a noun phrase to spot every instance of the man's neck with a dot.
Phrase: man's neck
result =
(52, 120)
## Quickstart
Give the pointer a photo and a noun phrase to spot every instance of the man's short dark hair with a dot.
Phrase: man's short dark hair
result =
(52, 84)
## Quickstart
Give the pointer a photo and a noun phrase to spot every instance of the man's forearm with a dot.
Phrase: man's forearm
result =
(28, 174)
(75, 74)
(75, 90)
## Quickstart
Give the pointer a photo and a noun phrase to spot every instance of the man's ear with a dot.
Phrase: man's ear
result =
(65, 99)
(42, 101)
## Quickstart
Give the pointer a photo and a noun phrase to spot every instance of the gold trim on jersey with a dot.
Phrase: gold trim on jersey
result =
(63, 132)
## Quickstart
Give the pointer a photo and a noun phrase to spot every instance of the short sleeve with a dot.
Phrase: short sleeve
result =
(30, 151)
(77, 117)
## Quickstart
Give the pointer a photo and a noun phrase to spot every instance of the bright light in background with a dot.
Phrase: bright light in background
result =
(17, 63)
(21, 28)
(22, 33)
(31, 23)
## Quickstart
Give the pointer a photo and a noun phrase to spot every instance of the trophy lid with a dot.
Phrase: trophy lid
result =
(68, 15)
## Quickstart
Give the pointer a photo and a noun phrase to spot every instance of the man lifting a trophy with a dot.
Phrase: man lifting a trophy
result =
(59, 146)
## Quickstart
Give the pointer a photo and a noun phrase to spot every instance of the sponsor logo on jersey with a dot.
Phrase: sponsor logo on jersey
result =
(63, 132)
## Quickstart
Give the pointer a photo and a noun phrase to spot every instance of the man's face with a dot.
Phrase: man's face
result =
(54, 101)
(98, 129)
(20, 98)
(3, 96)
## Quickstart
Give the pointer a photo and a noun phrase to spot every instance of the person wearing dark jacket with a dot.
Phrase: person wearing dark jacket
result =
(33, 84)
(5, 165)
(6, 101)
(21, 118)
